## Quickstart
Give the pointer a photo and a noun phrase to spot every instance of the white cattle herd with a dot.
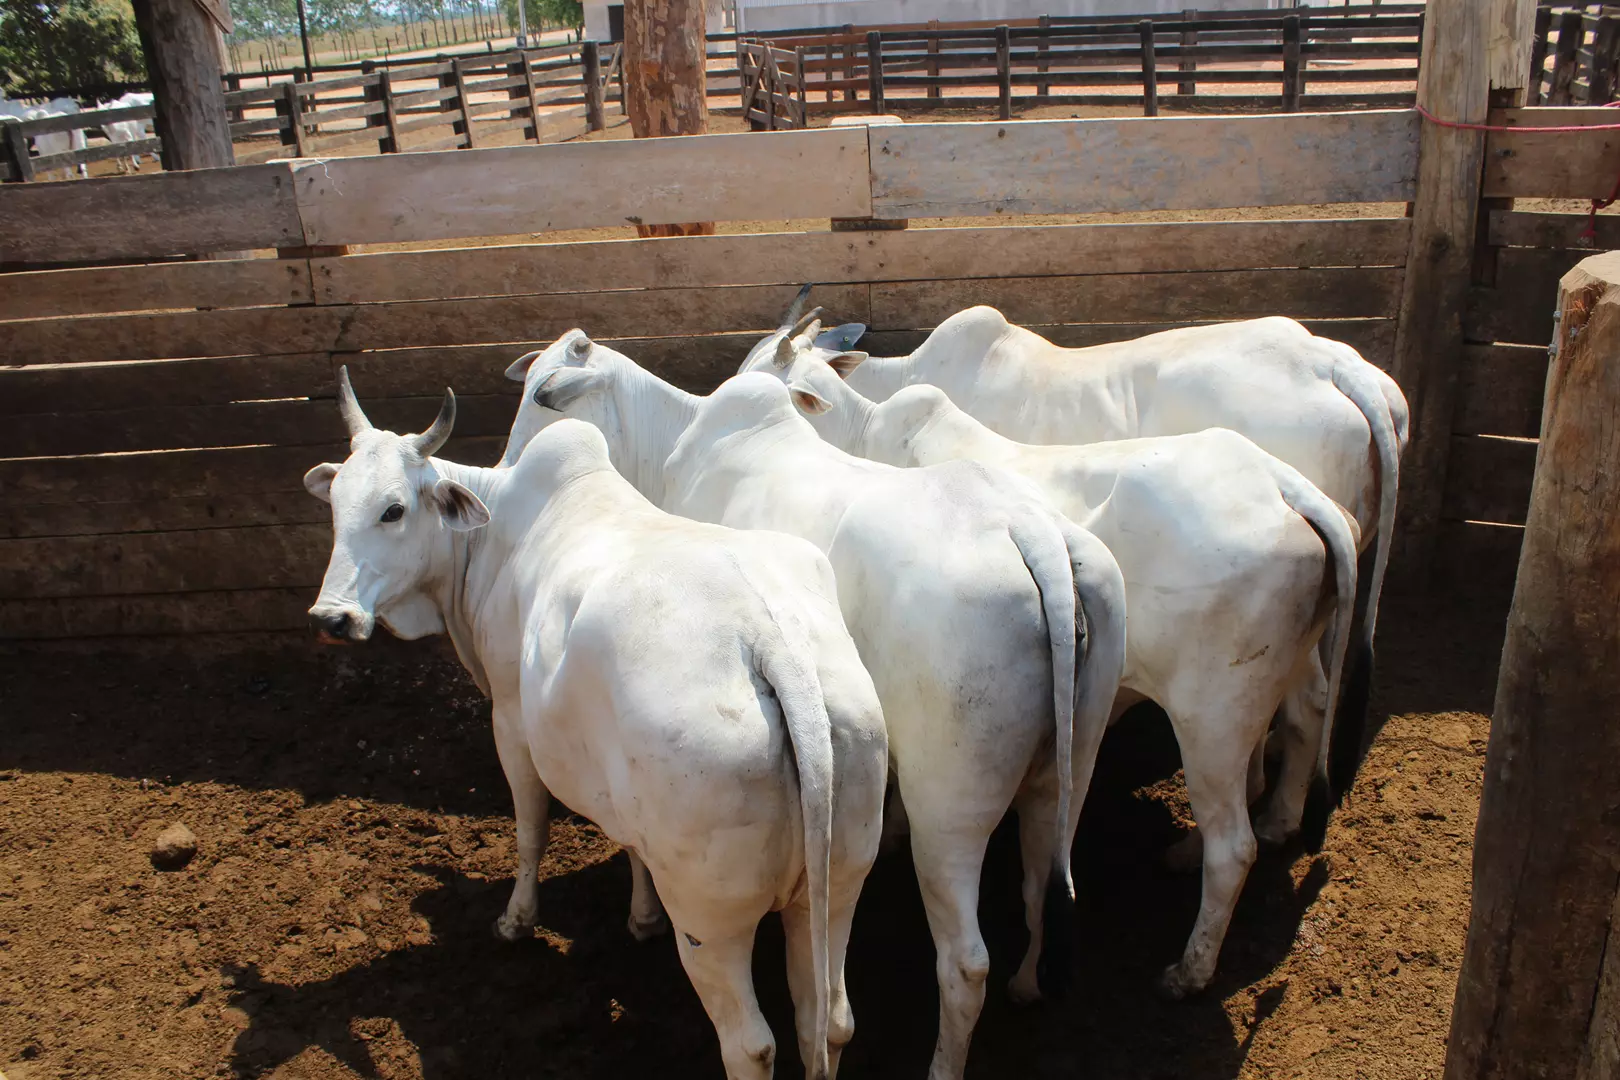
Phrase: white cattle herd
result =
(714, 625)
(60, 142)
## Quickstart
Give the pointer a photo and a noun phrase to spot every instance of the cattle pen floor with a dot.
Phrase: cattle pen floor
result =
(356, 844)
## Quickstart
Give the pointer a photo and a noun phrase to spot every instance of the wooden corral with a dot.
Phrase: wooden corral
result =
(159, 416)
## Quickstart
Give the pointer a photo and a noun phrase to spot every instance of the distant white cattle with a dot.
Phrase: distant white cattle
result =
(992, 626)
(1234, 567)
(128, 131)
(1313, 402)
(690, 688)
(58, 142)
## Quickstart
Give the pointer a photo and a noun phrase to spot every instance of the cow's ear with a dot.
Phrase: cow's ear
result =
(807, 400)
(459, 507)
(318, 481)
(518, 370)
(840, 337)
(846, 362)
(565, 386)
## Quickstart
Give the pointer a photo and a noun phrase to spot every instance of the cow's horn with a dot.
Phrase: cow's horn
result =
(795, 308)
(784, 352)
(813, 315)
(809, 335)
(428, 443)
(349, 406)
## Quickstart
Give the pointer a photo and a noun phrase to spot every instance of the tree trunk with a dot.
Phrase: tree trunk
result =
(183, 48)
(1539, 993)
(665, 80)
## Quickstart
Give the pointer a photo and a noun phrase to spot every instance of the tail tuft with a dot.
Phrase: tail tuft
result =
(1053, 968)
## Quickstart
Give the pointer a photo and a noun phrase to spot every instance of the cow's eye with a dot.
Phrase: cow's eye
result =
(393, 513)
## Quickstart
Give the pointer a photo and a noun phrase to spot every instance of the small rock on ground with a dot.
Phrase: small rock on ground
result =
(174, 848)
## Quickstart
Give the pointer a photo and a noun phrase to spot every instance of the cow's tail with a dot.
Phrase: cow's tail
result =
(1356, 382)
(1077, 692)
(786, 665)
(1340, 536)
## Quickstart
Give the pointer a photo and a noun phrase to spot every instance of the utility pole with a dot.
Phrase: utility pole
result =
(303, 34)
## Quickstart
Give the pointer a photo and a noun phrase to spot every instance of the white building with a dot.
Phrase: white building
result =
(604, 21)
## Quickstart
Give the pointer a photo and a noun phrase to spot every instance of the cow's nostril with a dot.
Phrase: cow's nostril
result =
(337, 625)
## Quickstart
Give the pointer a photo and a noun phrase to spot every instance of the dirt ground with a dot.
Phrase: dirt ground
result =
(356, 844)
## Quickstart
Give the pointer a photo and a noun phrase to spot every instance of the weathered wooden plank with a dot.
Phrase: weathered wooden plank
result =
(1084, 166)
(76, 387)
(1488, 479)
(188, 474)
(1233, 294)
(223, 284)
(345, 328)
(1520, 228)
(236, 611)
(163, 515)
(1519, 307)
(277, 556)
(917, 254)
(278, 423)
(1481, 561)
(738, 177)
(1500, 389)
(1555, 165)
(168, 213)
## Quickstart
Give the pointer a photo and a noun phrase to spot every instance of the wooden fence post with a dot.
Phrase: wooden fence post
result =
(849, 62)
(1292, 82)
(1538, 56)
(1539, 991)
(1605, 48)
(1043, 88)
(591, 76)
(1453, 86)
(16, 145)
(1004, 70)
(804, 106)
(1189, 40)
(464, 104)
(233, 82)
(933, 60)
(874, 70)
(372, 92)
(1150, 70)
(827, 69)
(1566, 58)
(388, 144)
(290, 106)
(518, 93)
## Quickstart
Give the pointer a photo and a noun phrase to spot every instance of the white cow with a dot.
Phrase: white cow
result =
(59, 142)
(128, 131)
(1234, 566)
(1313, 402)
(966, 594)
(690, 688)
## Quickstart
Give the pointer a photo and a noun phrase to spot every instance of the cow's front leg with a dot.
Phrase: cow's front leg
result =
(531, 805)
(647, 918)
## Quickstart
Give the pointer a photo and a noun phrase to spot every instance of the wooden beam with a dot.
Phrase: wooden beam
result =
(1509, 37)
(168, 213)
(1539, 991)
(95, 290)
(1499, 390)
(183, 55)
(228, 612)
(1452, 86)
(520, 189)
(45, 388)
(1555, 165)
(1090, 166)
(1488, 479)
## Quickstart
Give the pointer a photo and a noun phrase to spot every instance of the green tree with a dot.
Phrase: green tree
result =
(53, 44)
(543, 13)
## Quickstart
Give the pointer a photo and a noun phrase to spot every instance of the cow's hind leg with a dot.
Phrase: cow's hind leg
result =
(1037, 828)
(1304, 710)
(720, 966)
(801, 973)
(948, 868)
(647, 919)
(1215, 754)
(531, 806)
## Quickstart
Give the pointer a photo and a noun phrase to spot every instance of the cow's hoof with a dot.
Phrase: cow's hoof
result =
(1187, 854)
(1274, 834)
(1024, 991)
(1176, 985)
(509, 929)
(646, 930)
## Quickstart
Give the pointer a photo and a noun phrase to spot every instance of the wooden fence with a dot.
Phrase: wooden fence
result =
(773, 87)
(1313, 56)
(20, 164)
(1580, 66)
(159, 418)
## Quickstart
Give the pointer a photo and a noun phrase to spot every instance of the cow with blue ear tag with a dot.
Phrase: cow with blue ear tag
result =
(691, 689)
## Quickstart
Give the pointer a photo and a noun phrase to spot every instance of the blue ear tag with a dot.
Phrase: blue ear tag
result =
(692, 941)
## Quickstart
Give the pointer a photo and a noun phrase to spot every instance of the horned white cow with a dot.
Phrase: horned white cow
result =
(59, 142)
(1310, 401)
(1234, 567)
(124, 132)
(992, 626)
(691, 689)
